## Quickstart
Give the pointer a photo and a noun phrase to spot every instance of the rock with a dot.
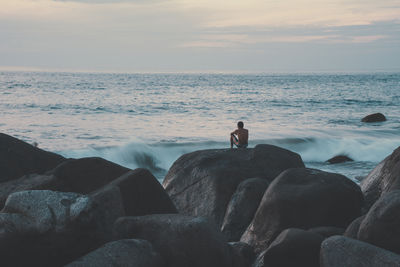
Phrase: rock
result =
(352, 229)
(380, 226)
(46, 228)
(243, 254)
(327, 231)
(242, 207)
(18, 158)
(142, 194)
(376, 117)
(339, 159)
(121, 253)
(303, 198)
(74, 175)
(383, 179)
(181, 240)
(202, 183)
(294, 247)
(343, 251)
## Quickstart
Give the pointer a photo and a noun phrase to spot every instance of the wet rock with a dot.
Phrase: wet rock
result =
(294, 247)
(376, 117)
(352, 229)
(243, 254)
(18, 158)
(303, 198)
(181, 240)
(142, 194)
(343, 251)
(339, 159)
(121, 253)
(202, 183)
(383, 179)
(327, 231)
(242, 207)
(381, 225)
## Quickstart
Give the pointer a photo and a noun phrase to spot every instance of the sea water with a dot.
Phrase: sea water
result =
(149, 120)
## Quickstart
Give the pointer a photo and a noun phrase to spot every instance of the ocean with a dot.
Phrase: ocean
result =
(149, 120)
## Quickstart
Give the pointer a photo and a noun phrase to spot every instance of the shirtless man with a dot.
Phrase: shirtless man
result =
(242, 138)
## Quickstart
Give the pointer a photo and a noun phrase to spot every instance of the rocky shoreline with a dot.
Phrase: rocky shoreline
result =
(225, 208)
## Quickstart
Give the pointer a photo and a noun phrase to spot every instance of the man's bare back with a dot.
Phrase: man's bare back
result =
(242, 136)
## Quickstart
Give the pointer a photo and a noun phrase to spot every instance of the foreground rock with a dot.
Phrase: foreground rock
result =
(242, 207)
(74, 175)
(343, 251)
(303, 198)
(383, 179)
(18, 158)
(181, 240)
(46, 228)
(202, 183)
(381, 225)
(121, 253)
(339, 159)
(376, 117)
(293, 247)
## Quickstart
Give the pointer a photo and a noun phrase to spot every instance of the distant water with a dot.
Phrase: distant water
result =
(149, 120)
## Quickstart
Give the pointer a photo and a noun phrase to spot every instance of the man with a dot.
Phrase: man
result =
(240, 136)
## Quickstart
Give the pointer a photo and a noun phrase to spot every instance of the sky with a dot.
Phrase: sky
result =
(200, 36)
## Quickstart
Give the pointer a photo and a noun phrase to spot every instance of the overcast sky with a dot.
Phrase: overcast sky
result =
(200, 35)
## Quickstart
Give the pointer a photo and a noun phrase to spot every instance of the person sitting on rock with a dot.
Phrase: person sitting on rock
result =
(240, 136)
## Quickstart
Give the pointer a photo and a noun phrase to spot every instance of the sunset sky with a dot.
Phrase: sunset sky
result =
(202, 35)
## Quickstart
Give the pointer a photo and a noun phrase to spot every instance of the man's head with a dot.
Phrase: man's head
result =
(240, 124)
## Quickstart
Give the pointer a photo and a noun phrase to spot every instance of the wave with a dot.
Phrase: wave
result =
(158, 157)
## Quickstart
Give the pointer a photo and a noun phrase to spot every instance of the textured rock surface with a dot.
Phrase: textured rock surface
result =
(121, 253)
(142, 194)
(202, 183)
(242, 207)
(347, 252)
(181, 240)
(303, 198)
(18, 158)
(383, 179)
(354, 226)
(376, 117)
(381, 225)
(294, 247)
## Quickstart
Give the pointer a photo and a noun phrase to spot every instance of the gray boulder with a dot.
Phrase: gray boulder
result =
(383, 179)
(293, 247)
(46, 228)
(202, 183)
(242, 207)
(376, 117)
(354, 226)
(18, 158)
(327, 231)
(348, 252)
(243, 254)
(181, 240)
(381, 225)
(121, 253)
(303, 198)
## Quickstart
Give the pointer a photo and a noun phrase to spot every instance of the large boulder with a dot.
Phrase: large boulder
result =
(121, 253)
(46, 228)
(354, 226)
(344, 251)
(202, 183)
(181, 240)
(293, 247)
(303, 198)
(383, 179)
(74, 175)
(242, 207)
(381, 225)
(18, 158)
(376, 117)
(327, 231)
(142, 194)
